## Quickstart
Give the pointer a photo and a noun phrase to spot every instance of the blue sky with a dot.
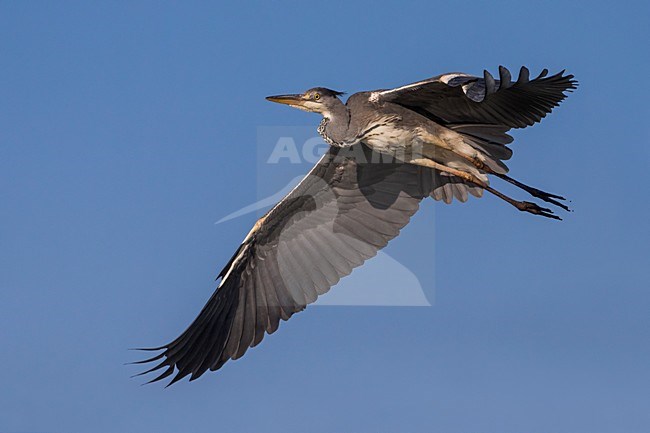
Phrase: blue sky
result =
(128, 128)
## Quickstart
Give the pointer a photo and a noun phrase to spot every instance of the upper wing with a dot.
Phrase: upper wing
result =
(461, 98)
(347, 208)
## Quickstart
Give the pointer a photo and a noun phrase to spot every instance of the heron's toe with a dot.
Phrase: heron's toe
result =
(526, 206)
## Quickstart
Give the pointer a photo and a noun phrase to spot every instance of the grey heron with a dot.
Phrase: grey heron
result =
(389, 149)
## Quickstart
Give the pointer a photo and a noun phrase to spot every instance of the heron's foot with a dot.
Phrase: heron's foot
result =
(548, 197)
(538, 193)
(526, 206)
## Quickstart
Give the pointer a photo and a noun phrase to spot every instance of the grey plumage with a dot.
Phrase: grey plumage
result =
(441, 137)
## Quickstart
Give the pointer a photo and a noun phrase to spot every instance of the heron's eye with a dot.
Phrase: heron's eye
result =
(316, 96)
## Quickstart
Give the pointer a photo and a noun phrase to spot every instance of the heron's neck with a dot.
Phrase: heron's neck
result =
(335, 124)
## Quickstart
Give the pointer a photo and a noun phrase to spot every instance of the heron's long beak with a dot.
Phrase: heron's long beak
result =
(292, 100)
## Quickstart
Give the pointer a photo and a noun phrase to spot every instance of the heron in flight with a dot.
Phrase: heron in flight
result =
(388, 150)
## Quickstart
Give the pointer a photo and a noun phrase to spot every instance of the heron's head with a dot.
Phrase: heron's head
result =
(316, 100)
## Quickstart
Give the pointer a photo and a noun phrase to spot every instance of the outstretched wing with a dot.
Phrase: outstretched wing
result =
(458, 98)
(347, 208)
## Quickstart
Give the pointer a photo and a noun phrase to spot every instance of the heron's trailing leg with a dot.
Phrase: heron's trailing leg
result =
(538, 193)
(523, 206)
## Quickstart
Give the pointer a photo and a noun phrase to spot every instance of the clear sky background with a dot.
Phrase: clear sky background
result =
(128, 128)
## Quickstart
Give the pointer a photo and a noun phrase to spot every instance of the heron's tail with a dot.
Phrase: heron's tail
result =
(490, 141)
